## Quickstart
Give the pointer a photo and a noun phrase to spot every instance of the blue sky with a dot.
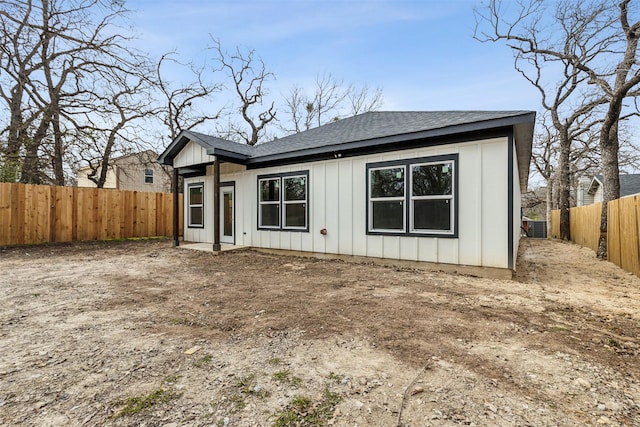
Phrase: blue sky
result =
(421, 53)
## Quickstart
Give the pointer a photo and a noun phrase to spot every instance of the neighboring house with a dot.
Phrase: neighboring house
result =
(138, 172)
(590, 190)
(441, 187)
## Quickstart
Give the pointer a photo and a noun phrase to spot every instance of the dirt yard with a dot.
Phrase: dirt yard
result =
(96, 334)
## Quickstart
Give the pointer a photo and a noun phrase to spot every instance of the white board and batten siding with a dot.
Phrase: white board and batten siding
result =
(338, 198)
(192, 154)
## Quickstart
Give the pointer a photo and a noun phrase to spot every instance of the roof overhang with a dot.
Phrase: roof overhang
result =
(519, 126)
(166, 158)
(228, 156)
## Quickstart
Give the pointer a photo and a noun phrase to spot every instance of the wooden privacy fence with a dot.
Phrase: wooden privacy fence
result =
(42, 214)
(623, 230)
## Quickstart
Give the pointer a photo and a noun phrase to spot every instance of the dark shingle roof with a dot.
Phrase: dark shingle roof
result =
(629, 184)
(368, 132)
(377, 124)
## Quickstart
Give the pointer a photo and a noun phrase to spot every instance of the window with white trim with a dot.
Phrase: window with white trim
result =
(283, 201)
(196, 205)
(148, 176)
(269, 206)
(413, 197)
(294, 201)
(387, 198)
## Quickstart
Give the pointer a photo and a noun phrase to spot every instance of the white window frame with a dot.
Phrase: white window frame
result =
(450, 197)
(148, 175)
(190, 205)
(402, 199)
(276, 202)
(295, 202)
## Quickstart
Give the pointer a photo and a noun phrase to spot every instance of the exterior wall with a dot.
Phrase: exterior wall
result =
(583, 197)
(84, 181)
(598, 196)
(337, 202)
(130, 176)
(127, 173)
(517, 212)
(192, 154)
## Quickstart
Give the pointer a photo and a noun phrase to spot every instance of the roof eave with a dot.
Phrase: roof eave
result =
(227, 155)
(524, 122)
(167, 156)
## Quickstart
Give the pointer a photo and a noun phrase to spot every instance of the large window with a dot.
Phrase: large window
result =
(283, 201)
(413, 196)
(196, 205)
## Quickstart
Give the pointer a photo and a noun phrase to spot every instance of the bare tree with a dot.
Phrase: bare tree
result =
(19, 49)
(544, 159)
(330, 100)
(179, 103)
(327, 99)
(249, 76)
(184, 106)
(617, 82)
(584, 39)
(69, 60)
(361, 100)
(117, 124)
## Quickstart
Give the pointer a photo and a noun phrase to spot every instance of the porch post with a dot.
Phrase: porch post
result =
(176, 208)
(216, 205)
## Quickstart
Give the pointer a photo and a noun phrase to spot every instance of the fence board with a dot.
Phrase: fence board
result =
(39, 214)
(5, 213)
(628, 237)
(623, 230)
(585, 225)
(63, 222)
(613, 234)
(555, 224)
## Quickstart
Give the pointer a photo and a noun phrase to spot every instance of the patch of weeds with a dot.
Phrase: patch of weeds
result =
(246, 384)
(334, 377)
(137, 404)
(36, 295)
(249, 387)
(171, 379)
(282, 376)
(238, 400)
(302, 411)
(274, 361)
(296, 381)
(203, 361)
(237, 396)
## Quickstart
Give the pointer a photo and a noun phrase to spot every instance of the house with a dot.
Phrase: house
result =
(590, 190)
(440, 187)
(137, 172)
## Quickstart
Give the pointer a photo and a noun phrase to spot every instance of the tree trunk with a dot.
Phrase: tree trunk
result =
(611, 182)
(31, 164)
(548, 199)
(15, 136)
(564, 183)
(58, 151)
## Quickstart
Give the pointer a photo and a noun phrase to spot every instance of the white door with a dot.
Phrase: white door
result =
(227, 220)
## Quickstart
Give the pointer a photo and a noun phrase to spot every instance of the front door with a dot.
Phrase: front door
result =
(227, 221)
